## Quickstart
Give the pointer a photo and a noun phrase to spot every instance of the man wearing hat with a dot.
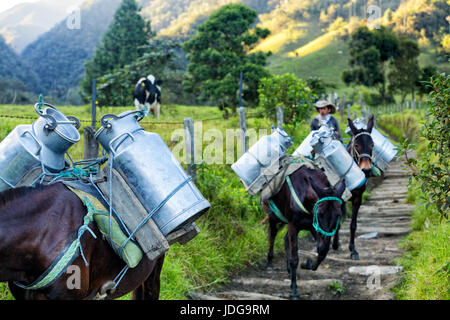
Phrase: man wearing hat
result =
(326, 109)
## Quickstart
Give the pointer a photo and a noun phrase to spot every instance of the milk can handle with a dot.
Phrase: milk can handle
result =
(112, 149)
(53, 122)
(34, 138)
(104, 120)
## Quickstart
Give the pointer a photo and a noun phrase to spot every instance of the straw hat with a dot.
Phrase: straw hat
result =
(323, 103)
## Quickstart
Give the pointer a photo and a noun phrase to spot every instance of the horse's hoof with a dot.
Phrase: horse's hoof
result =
(306, 265)
(294, 296)
(354, 256)
(337, 247)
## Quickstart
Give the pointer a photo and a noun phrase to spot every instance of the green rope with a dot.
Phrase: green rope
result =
(57, 268)
(294, 195)
(273, 207)
(316, 218)
(40, 102)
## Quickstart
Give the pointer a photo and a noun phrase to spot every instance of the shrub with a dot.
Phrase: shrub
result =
(288, 92)
(433, 169)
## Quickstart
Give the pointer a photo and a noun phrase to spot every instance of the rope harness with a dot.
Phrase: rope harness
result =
(66, 257)
(354, 153)
(273, 207)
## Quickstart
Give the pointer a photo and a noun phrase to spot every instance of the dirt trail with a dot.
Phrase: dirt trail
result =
(371, 277)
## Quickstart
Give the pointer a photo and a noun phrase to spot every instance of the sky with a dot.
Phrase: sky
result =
(7, 4)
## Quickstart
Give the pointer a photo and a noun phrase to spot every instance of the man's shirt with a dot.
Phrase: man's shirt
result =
(329, 121)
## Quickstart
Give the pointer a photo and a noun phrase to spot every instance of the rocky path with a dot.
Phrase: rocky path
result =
(384, 215)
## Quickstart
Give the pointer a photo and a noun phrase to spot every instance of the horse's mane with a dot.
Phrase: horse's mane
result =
(12, 194)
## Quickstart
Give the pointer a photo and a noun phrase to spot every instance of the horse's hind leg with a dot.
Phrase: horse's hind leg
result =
(149, 289)
(292, 236)
(356, 204)
(151, 286)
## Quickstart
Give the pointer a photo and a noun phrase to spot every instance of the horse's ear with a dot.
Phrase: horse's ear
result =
(340, 188)
(159, 82)
(351, 125)
(370, 123)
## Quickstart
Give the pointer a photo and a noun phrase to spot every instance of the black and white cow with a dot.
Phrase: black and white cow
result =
(147, 93)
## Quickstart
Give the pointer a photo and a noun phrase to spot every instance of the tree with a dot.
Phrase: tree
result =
(318, 85)
(123, 42)
(405, 68)
(219, 52)
(423, 82)
(432, 171)
(369, 53)
(115, 88)
(286, 91)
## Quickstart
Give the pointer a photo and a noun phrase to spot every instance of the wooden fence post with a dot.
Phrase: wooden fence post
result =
(243, 126)
(342, 107)
(90, 144)
(190, 147)
(280, 117)
(349, 114)
(94, 103)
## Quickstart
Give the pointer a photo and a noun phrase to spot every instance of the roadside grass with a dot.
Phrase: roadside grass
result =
(426, 260)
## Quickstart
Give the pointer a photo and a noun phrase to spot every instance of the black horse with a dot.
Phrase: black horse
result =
(360, 148)
(37, 223)
(310, 186)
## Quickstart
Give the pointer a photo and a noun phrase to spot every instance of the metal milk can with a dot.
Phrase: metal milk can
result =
(151, 171)
(262, 155)
(383, 150)
(337, 157)
(19, 154)
(56, 133)
(305, 149)
(41, 144)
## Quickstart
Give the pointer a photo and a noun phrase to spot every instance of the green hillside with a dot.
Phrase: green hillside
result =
(308, 37)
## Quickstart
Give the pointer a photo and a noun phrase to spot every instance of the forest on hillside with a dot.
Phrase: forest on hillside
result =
(59, 56)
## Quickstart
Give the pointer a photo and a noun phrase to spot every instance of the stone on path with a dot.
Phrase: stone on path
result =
(374, 269)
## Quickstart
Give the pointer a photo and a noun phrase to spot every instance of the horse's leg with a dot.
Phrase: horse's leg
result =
(138, 293)
(287, 250)
(292, 235)
(336, 244)
(323, 245)
(150, 289)
(356, 203)
(271, 234)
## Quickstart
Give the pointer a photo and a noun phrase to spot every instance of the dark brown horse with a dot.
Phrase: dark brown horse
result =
(310, 186)
(360, 148)
(37, 223)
